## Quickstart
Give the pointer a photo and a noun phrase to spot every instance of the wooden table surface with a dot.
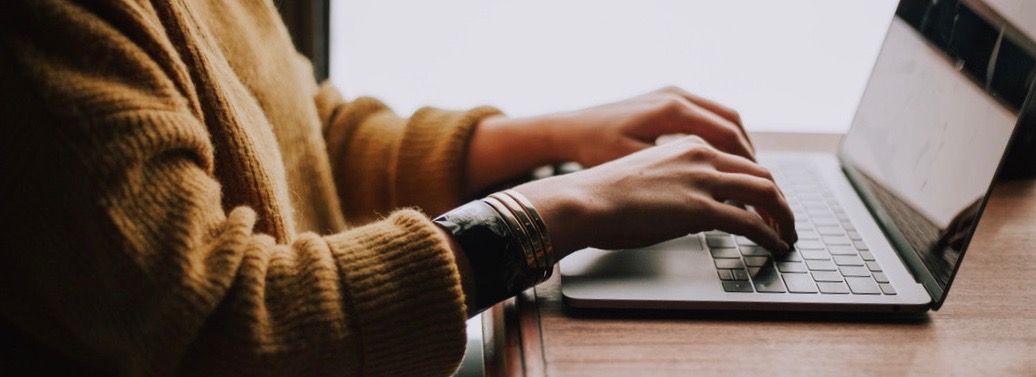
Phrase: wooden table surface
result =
(986, 328)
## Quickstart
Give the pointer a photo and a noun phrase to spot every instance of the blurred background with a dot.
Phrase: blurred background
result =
(789, 65)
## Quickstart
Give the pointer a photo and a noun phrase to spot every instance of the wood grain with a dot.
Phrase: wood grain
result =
(986, 328)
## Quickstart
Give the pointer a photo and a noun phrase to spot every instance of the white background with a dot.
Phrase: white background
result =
(790, 65)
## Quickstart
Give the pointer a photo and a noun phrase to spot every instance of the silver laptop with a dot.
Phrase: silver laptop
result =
(884, 224)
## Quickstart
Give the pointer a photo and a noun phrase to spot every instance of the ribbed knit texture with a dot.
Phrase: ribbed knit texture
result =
(175, 194)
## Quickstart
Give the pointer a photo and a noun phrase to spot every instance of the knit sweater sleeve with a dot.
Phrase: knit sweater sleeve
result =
(120, 253)
(402, 162)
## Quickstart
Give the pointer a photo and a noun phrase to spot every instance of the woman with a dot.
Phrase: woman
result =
(177, 187)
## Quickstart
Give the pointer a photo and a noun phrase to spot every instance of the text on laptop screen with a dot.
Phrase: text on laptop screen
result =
(924, 148)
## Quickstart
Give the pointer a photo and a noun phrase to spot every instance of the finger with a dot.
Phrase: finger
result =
(729, 163)
(718, 131)
(715, 107)
(680, 116)
(761, 194)
(736, 164)
(738, 221)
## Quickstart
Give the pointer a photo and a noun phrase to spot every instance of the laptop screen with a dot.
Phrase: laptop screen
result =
(934, 123)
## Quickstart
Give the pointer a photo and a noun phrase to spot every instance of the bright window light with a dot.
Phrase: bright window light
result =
(790, 65)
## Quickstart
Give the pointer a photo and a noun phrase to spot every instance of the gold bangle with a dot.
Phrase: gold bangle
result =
(516, 230)
(535, 274)
(548, 246)
(523, 218)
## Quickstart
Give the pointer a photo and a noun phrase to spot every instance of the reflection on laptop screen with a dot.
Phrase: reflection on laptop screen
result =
(926, 143)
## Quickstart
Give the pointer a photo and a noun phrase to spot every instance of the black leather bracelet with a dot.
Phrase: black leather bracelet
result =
(495, 255)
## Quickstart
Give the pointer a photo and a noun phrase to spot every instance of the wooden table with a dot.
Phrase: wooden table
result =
(986, 328)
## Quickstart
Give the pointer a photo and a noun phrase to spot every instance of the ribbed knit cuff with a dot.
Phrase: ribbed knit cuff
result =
(406, 294)
(432, 157)
(327, 100)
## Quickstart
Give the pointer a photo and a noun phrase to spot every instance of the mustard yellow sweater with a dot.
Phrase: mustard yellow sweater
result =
(174, 192)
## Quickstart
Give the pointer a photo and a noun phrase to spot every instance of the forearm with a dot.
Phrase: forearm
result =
(503, 148)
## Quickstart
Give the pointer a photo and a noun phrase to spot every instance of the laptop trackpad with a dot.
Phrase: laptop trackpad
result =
(676, 269)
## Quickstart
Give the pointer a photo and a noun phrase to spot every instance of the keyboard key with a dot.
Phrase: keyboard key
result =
(848, 260)
(821, 265)
(830, 230)
(725, 275)
(752, 271)
(841, 250)
(808, 235)
(756, 261)
(816, 207)
(740, 275)
(716, 233)
(799, 283)
(860, 245)
(809, 245)
(873, 266)
(828, 276)
(803, 226)
(863, 286)
(737, 286)
(866, 255)
(848, 226)
(814, 254)
(744, 241)
(729, 263)
(880, 277)
(791, 267)
(825, 221)
(833, 288)
(887, 289)
(837, 240)
(819, 213)
(854, 235)
(725, 253)
(718, 241)
(792, 256)
(754, 251)
(768, 280)
(847, 271)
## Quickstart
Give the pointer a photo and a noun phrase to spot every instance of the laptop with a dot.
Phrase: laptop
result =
(884, 224)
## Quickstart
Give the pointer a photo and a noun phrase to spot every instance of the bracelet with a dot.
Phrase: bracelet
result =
(497, 261)
(548, 247)
(507, 243)
(528, 223)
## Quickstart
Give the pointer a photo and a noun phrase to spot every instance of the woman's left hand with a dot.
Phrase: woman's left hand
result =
(600, 134)
(503, 147)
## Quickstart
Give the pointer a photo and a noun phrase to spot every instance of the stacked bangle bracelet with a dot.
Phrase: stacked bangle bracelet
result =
(506, 242)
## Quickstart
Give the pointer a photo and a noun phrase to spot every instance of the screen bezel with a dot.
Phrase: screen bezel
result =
(898, 241)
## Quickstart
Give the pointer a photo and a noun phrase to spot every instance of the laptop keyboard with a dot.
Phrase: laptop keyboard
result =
(829, 258)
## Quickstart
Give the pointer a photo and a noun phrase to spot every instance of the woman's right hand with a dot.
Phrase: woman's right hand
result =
(661, 193)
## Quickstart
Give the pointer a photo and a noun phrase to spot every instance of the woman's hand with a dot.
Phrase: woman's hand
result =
(600, 134)
(661, 193)
(503, 148)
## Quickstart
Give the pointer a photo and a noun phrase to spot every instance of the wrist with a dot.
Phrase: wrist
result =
(565, 211)
(558, 135)
(504, 148)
